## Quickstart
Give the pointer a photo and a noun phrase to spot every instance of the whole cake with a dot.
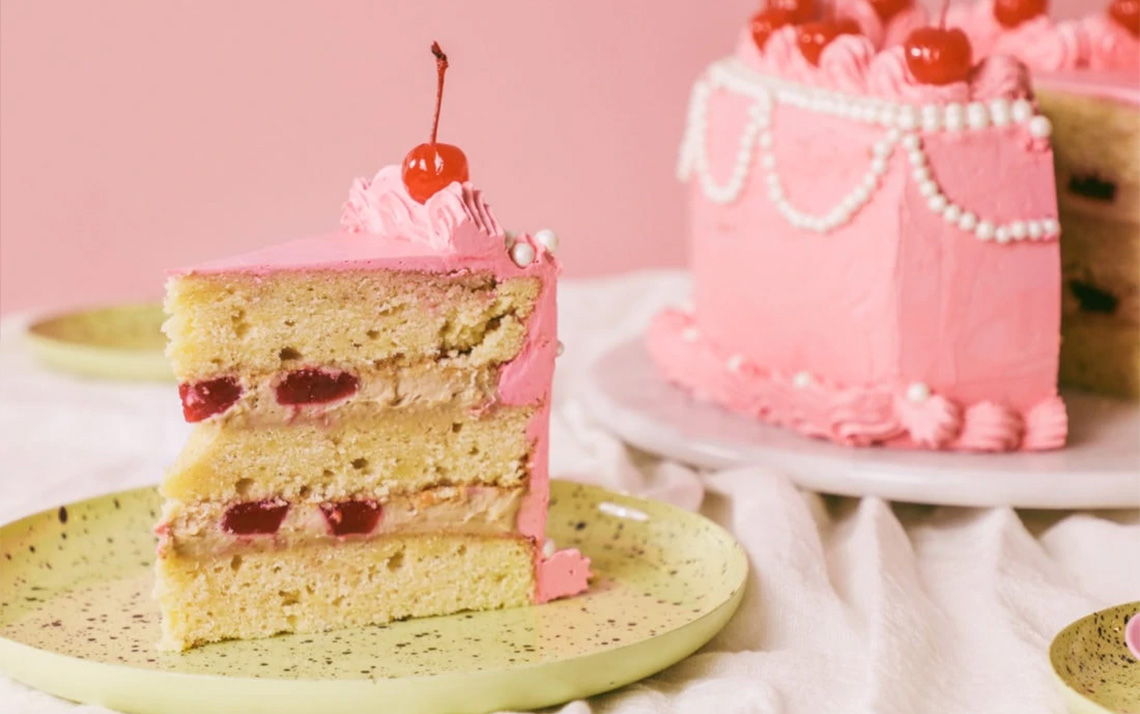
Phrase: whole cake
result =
(1086, 72)
(371, 412)
(874, 236)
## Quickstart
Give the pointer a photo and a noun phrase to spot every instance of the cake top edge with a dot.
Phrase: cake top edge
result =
(384, 227)
(972, 52)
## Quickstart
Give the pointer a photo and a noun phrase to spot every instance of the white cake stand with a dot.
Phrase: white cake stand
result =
(1100, 468)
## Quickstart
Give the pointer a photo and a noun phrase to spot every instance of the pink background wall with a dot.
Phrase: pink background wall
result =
(137, 135)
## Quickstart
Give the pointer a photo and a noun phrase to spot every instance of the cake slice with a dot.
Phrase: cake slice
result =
(371, 413)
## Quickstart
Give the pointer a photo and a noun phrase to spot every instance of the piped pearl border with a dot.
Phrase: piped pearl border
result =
(902, 122)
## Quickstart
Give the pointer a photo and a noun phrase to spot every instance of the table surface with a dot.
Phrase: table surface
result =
(854, 605)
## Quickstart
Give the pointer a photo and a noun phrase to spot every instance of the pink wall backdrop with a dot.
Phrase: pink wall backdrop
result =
(137, 135)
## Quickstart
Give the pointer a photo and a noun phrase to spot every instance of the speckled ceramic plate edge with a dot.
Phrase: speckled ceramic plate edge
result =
(1109, 662)
(57, 343)
(138, 691)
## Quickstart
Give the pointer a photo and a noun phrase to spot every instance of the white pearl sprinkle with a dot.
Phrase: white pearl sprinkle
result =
(937, 203)
(878, 165)
(1040, 127)
(548, 548)
(955, 119)
(1000, 112)
(1001, 234)
(985, 230)
(928, 188)
(977, 116)
(921, 174)
(882, 148)
(768, 161)
(690, 334)
(952, 214)
(918, 392)
(735, 362)
(547, 239)
(1051, 227)
(1033, 228)
(561, 348)
(522, 254)
(916, 157)
(907, 119)
(801, 380)
(766, 140)
(1022, 111)
(912, 142)
(1018, 230)
(931, 118)
(968, 221)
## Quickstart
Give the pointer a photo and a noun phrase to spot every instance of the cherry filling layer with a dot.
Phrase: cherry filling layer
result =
(202, 400)
(1092, 187)
(315, 386)
(255, 517)
(351, 517)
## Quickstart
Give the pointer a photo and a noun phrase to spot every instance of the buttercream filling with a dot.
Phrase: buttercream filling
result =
(211, 528)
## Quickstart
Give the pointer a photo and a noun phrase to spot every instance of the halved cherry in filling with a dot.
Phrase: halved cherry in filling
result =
(255, 517)
(201, 400)
(315, 386)
(351, 517)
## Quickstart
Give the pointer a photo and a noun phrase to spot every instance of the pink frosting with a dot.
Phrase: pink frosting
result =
(1095, 42)
(852, 65)
(853, 416)
(1132, 634)
(453, 231)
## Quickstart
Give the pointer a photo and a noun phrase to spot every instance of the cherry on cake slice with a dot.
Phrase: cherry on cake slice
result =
(371, 414)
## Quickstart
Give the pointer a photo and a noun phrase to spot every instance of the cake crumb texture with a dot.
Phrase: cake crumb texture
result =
(420, 448)
(244, 324)
(324, 587)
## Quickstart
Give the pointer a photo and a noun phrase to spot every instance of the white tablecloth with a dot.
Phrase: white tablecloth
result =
(852, 606)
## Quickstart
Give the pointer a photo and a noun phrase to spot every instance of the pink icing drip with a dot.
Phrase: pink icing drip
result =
(854, 416)
(865, 16)
(565, 573)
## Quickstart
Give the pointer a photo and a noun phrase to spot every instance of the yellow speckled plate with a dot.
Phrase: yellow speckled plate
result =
(1097, 673)
(122, 342)
(76, 620)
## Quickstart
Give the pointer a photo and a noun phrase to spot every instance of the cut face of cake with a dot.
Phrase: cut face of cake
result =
(1086, 72)
(874, 243)
(371, 414)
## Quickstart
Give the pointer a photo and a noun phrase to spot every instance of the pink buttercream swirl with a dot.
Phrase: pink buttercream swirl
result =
(855, 416)
(1093, 42)
(933, 422)
(1046, 425)
(851, 65)
(1044, 45)
(1111, 48)
(1000, 77)
(383, 206)
(990, 427)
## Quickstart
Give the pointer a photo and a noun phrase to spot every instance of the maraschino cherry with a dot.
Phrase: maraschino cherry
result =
(1011, 13)
(937, 55)
(765, 22)
(430, 167)
(886, 9)
(1127, 14)
(800, 11)
(814, 36)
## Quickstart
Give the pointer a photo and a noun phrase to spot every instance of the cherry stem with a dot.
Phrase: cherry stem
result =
(942, 20)
(441, 69)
